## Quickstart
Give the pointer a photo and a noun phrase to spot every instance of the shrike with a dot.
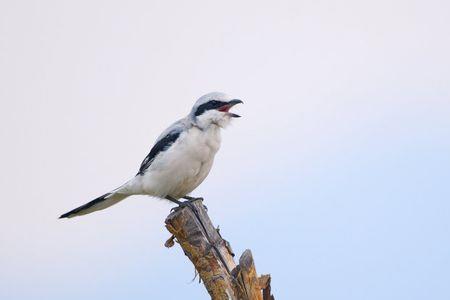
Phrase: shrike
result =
(180, 159)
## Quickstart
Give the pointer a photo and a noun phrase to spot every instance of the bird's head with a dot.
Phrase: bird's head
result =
(214, 109)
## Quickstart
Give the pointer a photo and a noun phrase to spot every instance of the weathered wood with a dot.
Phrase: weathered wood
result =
(212, 257)
(205, 248)
(264, 284)
(247, 277)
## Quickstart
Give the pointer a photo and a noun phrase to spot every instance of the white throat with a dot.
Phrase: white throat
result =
(212, 118)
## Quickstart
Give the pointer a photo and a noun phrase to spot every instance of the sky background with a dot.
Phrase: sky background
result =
(337, 176)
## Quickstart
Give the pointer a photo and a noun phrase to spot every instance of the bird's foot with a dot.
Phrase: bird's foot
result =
(193, 199)
(187, 204)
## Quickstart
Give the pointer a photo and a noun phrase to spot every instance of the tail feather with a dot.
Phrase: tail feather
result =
(99, 203)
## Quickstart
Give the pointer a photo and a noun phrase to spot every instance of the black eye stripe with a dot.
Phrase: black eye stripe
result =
(212, 104)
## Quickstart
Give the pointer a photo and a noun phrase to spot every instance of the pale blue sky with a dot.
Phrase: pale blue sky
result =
(337, 176)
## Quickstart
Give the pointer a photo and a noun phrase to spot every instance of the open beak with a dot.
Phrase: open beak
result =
(229, 105)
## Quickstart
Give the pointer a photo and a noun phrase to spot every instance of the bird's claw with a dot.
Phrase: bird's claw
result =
(198, 198)
(193, 199)
(185, 204)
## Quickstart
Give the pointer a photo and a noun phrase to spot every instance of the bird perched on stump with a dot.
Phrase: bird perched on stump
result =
(180, 159)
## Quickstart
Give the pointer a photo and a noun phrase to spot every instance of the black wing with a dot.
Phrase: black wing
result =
(160, 146)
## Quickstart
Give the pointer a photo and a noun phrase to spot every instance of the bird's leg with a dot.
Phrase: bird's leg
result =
(171, 199)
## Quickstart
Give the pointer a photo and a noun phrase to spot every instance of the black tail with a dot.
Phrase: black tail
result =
(99, 203)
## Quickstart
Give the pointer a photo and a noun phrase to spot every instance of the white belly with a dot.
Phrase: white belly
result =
(183, 167)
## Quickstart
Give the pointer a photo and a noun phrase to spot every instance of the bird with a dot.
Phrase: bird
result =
(180, 159)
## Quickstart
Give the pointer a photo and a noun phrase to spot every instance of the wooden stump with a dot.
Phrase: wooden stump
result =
(212, 257)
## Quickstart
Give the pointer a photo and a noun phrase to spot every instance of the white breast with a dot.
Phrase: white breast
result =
(184, 166)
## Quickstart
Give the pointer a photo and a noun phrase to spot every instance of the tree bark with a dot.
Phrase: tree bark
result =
(212, 257)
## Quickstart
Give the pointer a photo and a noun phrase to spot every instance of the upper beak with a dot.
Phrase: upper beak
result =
(234, 102)
(231, 104)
